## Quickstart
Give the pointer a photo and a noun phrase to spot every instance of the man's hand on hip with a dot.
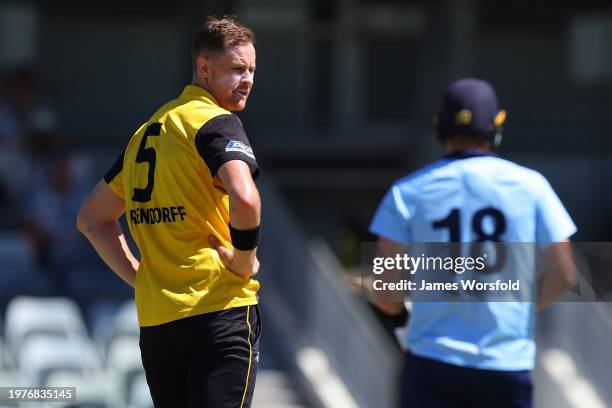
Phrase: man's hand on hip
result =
(243, 263)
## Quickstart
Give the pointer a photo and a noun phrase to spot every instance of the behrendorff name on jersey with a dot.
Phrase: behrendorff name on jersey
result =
(465, 284)
(157, 215)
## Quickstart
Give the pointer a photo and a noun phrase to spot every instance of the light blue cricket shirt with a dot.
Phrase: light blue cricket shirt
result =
(487, 335)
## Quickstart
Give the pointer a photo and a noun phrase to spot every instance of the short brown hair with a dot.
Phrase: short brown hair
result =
(219, 33)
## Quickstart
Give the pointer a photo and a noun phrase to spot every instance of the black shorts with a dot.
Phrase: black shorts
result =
(430, 383)
(208, 360)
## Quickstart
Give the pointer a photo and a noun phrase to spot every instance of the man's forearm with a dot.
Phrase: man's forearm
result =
(559, 273)
(109, 241)
(245, 216)
(245, 210)
(389, 249)
(550, 289)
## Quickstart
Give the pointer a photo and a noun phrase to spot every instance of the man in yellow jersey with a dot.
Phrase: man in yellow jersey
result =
(185, 183)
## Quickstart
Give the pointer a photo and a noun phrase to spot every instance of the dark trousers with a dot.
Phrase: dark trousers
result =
(204, 361)
(430, 383)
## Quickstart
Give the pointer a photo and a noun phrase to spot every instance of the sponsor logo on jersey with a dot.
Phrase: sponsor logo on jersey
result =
(157, 215)
(238, 146)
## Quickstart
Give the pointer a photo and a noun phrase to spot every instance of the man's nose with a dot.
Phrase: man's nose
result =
(248, 78)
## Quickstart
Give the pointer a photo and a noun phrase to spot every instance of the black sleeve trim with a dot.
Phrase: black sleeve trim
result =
(223, 139)
(115, 169)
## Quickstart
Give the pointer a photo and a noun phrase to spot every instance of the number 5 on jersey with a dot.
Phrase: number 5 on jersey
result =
(147, 155)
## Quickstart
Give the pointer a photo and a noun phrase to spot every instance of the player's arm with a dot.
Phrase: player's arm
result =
(225, 148)
(391, 223)
(389, 249)
(554, 227)
(558, 273)
(97, 220)
(245, 210)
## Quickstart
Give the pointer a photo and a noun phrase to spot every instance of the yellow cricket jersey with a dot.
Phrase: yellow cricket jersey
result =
(173, 201)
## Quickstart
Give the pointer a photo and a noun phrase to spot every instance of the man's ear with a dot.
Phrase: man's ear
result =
(203, 66)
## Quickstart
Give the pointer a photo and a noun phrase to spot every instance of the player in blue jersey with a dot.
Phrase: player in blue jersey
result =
(473, 354)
